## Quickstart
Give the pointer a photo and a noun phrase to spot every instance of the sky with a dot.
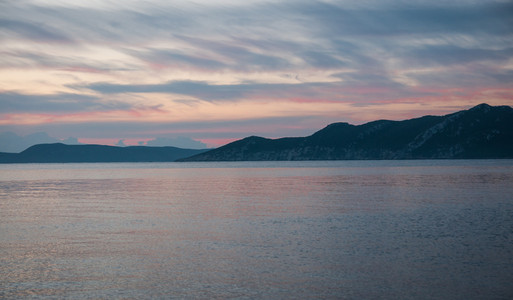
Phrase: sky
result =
(141, 72)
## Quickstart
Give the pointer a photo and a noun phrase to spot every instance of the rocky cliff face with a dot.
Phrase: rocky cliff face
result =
(480, 132)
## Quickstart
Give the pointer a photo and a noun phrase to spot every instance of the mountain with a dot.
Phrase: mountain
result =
(483, 131)
(60, 153)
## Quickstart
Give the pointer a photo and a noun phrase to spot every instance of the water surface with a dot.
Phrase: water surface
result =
(351, 230)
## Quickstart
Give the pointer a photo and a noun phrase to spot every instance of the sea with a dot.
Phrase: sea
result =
(419, 229)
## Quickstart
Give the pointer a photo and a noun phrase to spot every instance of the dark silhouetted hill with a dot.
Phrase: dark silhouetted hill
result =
(60, 153)
(483, 131)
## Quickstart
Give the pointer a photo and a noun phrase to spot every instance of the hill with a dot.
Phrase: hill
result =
(483, 131)
(61, 153)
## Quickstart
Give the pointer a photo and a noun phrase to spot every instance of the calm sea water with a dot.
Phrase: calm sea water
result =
(273, 230)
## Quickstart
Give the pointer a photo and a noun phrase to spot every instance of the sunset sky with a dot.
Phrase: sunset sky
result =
(216, 71)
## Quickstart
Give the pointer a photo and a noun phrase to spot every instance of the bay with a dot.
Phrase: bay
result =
(423, 229)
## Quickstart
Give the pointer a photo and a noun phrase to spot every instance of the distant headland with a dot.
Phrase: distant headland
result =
(61, 153)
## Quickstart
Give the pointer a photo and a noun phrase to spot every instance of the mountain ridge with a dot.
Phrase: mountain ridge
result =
(482, 131)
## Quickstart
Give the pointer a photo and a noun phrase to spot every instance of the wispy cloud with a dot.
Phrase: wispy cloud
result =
(11, 102)
(203, 90)
(163, 61)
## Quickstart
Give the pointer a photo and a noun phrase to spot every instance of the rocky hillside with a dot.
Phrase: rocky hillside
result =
(483, 131)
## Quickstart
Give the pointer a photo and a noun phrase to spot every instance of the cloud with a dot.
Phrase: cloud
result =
(237, 56)
(200, 89)
(71, 141)
(449, 55)
(121, 143)
(53, 59)
(15, 102)
(33, 31)
(258, 36)
(105, 68)
(180, 142)
(166, 58)
(274, 20)
(397, 18)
